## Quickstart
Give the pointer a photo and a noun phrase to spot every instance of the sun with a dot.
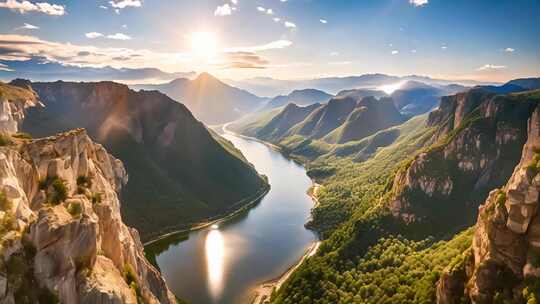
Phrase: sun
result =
(204, 44)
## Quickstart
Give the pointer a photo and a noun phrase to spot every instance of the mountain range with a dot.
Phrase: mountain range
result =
(264, 86)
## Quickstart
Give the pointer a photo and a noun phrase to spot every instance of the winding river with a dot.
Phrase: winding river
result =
(226, 262)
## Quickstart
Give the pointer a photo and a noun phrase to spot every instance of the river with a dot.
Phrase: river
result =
(225, 263)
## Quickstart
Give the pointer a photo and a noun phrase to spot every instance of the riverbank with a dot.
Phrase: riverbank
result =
(262, 293)
(213, 221)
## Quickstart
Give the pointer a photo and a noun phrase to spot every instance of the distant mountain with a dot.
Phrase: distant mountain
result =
(514, 86)
(416, 97)
(299, 97)
(178, 172)
(284, 120)
(341, 120)
(369, 116)
(361, 93)
(37, 70)
(210, 100)
(264, 86)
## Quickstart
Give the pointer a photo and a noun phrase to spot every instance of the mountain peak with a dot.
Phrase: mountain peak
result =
(205, 76)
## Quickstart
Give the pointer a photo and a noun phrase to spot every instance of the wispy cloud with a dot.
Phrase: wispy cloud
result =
(491, 67)
(119, 36)
(274, 45)
(27, 6)
(223, 10)
(28, 26)
(340, 62)
(5, 68)
(509, 50)
(323, 21)
(334, 54)
(418, 2)
(23, 48)
(242, 60)
(395, 52)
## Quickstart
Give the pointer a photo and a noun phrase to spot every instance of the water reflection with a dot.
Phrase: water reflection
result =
(215, 252)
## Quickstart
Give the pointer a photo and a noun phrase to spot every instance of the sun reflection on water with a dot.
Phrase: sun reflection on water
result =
(215, 252)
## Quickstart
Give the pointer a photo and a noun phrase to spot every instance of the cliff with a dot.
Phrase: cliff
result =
(504, 262)
(62, 236)
(478, 139)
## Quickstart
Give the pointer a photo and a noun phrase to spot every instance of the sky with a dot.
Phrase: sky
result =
(495, 40)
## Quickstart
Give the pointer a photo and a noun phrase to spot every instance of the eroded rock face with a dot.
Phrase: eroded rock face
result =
(507, 233)
(13, 102)
(61, 197)
(478, 140)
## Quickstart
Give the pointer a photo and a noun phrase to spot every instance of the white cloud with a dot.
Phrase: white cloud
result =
(509, 50)
(491, 67)
(395, 52)
(27, 6)
(289, 24)
(413, 51)
(274, 45)
(119, 36)
(235, 2)
(103, 7)
(418, 2)
(276, 19)
(93, 35)
(120, 4)
(261, 9)
(223, 10)
(323, 21)
(28, 26)
(269, 11)
(124, 25)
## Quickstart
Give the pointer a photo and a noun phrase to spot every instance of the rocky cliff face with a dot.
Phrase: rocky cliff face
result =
(478, 140)
(62, 236)
(505, 260)
(13, 102)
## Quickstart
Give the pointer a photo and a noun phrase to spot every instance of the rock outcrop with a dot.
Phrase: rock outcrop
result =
(506, 244)
(62, 235)
(13, 102)
(478, 137)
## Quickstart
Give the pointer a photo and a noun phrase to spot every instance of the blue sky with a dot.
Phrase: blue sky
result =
(484, 40)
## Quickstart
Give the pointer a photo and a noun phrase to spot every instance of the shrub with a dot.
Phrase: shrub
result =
(22, 135)
(96, 198)
(59, 191)
(5, 203)
(84, 181)
(5, 139)
(75, 209)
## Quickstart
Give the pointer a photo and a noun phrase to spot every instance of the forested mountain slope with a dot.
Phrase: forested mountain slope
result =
(179, 174)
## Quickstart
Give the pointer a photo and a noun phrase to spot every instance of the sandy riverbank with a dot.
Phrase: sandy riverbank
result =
(262, 293)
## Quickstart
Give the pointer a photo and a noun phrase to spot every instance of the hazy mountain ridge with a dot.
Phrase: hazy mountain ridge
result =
(172, 158)
(38, 70)
(333, 85)
(210, 100)
(303, 97)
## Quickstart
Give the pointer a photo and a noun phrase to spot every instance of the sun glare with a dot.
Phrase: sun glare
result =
(204, 44)
(390, 88)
